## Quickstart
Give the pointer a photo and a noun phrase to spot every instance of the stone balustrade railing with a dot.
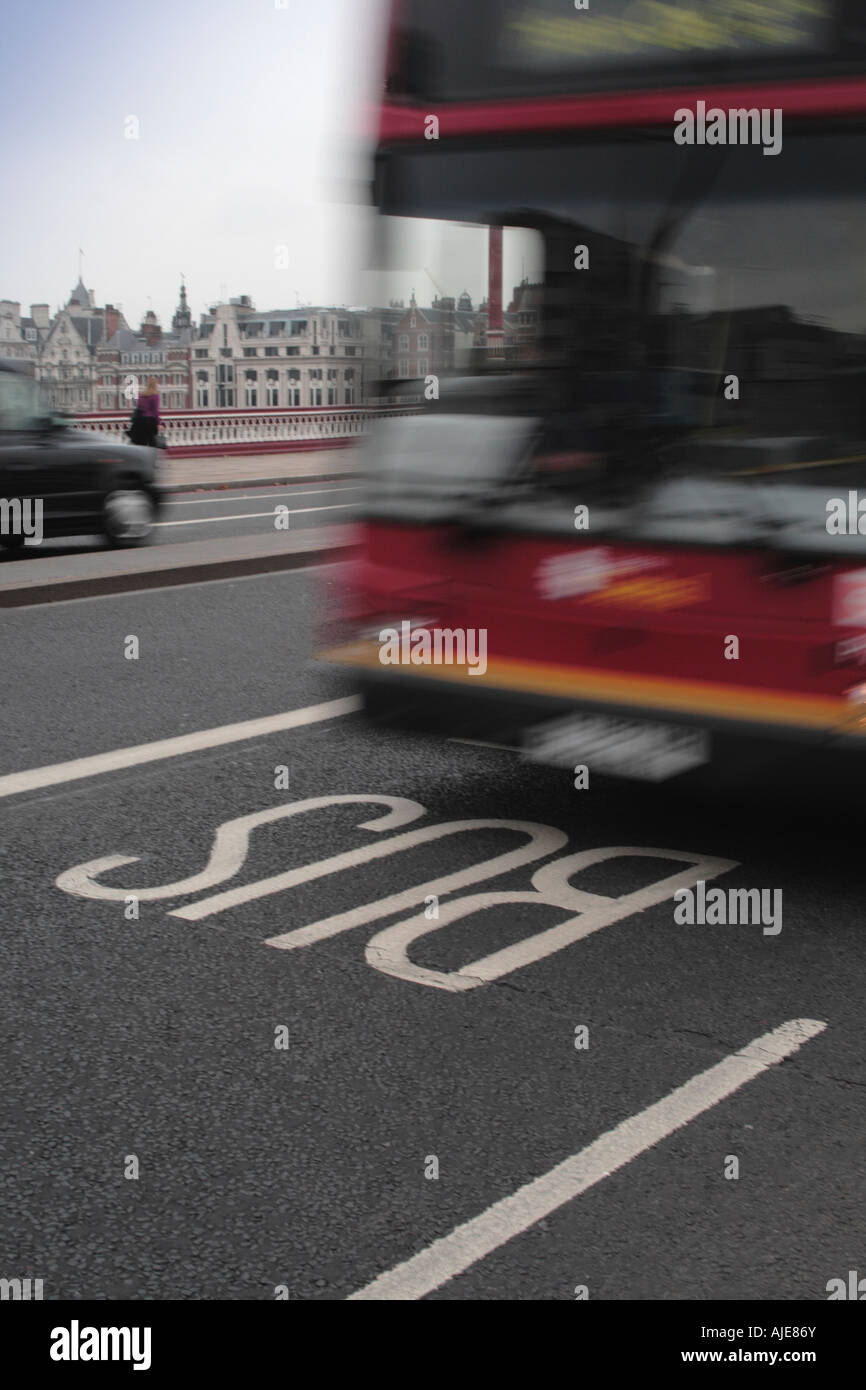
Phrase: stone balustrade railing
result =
(241, 431)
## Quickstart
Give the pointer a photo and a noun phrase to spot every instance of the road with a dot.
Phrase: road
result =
(197, 1110)
(253, 511)
(228, 512)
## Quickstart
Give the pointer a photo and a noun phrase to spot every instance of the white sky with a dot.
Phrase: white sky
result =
(252, 135)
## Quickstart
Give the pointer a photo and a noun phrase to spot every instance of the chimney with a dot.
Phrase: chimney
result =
(40, 315)
(495, 334)
(150, 329)
(112, 322)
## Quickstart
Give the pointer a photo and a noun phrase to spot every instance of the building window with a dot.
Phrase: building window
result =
(201, 352)
(316, 351)
(332, 395)
(349, 374)
(404, 342)
(332, 374)
(201, 397)
(315, 374)
(272, 352)
(251, 352)
(350, 395)
(293, 352)
(315, 395)
(294, 395)
(225, 334)
(225, 397)
(225, 374)
(403, 368)
(251, 393)
(422, 342)
(276, 328)
(299, 327)
(350, 352)
(422, 366)
(332, 351)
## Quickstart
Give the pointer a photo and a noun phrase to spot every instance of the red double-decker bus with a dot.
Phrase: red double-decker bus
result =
(610, 508)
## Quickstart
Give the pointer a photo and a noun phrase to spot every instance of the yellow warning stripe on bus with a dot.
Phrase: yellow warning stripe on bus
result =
(747, 703)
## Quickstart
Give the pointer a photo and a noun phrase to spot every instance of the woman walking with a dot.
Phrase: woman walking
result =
(145, 419)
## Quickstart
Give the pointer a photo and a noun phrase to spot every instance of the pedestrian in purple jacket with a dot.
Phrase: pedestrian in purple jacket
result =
(145, 419)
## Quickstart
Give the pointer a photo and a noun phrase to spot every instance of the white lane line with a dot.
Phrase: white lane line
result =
(73, 771)
(480, 743)
(248, 516)
(252, 497)
(467, 1244)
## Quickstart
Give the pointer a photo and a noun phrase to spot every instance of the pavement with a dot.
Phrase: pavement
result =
(254, 470)
(64, 576)
(229, 1072)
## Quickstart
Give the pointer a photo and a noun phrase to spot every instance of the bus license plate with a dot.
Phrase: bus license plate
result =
(623, 748)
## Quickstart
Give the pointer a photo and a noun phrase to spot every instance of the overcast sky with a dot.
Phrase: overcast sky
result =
(251, 136)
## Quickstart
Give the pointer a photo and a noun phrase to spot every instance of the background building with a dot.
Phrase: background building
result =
(21, 338)
(443, 337)
(147, 352)
(243, 358)
(66, 362)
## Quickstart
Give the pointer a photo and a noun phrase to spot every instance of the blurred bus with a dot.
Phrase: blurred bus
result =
(610, 511)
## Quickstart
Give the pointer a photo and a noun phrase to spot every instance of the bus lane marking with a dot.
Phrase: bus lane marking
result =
(543, 840)
(387, 951)
(229, 851)
(475, 1239)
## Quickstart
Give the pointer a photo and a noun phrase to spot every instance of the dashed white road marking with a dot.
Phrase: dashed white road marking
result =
(482, 743)
(513, 1215)
(249, 516)
(254, 497)
(56, 773)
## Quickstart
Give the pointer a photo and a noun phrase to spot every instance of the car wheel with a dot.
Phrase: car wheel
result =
(127, 517)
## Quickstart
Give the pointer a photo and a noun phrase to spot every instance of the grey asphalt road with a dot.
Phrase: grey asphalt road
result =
(157, 1144)
(228, 512)
(249, 511)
